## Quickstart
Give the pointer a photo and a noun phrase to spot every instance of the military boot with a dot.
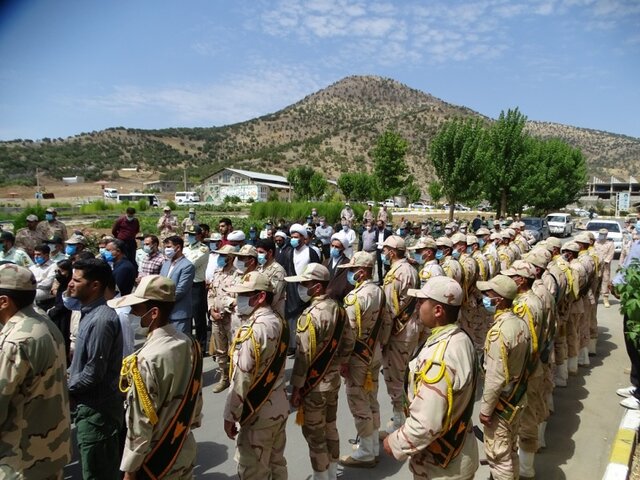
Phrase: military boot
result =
(223, 383)
(606, 301)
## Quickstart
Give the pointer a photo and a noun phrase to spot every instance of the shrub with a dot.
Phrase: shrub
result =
(298, 211)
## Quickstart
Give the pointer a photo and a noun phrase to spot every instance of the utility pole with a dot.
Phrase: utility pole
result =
(184, 177)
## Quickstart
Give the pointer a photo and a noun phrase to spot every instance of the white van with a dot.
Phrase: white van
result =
(186, 197)
(560, 224)
(110, 193)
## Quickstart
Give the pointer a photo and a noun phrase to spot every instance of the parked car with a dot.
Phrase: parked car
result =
(560, 224)
(538, 227)
(457, 206)
(421, 206)
(581, 212)
(614, 234)
(389, 203)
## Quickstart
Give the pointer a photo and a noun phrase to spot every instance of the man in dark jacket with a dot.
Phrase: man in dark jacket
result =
(126, 228)
(338, 287)
(382, 233)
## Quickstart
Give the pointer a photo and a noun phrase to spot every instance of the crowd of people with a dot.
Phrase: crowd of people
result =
(449, 313)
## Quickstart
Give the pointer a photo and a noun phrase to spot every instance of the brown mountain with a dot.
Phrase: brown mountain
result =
(332, 130)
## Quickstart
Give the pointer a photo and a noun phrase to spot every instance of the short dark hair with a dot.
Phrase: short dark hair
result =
(119, 244)
(84, 255)
(94, 270)
(21, 298)
(164, 307)
(205, 227)
(176, 240)
(226, 221)
(131, 210)
(65, 265)
(42, 249)
(451, 311)
(154, 239)
(267, 244)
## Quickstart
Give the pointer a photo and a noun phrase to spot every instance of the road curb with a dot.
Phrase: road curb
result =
(623, 447)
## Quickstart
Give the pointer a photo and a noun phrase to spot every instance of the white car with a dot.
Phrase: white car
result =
(421, 206)
(560, 224)
(615, 232)
(389, 203)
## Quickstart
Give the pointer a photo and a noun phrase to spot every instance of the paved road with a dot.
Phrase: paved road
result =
(579, 434)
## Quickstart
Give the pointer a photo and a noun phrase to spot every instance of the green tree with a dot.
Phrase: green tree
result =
(300, 180)
(456, 154)
(435, 192)
(346, 184)
(389, 167)
(504, 151)
(411, 190)
(317, 185)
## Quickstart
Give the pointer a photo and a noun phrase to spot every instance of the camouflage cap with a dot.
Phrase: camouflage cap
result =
(571, 246)
(582, 238)
(502, 285)
(192, 210)
(603, 231)
(520, 268)
(32, 218)
(246, 251)
(441, 289)
(314, 271)
(495, 236)
(590, 234)
(459, 238)
(444, 242)
(511, 232)
(424, 242)
(76, 239)
(252, 282)
(151, 287)
(167, 208)
(215, 237)
(226, 250)
(360, 259)
(505, 235)
(51, 210)
(554, 242)
(483, 231)
(395, 241)
(194, 230)
(472, 239)
(451, 225)
(537, 258)
(15, 277)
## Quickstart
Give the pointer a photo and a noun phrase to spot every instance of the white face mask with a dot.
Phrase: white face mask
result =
(239, 264)
(303, 293)
(242, 306)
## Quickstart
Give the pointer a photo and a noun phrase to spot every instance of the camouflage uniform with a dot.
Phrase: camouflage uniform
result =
(506, 256)
(478, 319)
(430, 269)
(506, 351)
(471, 319)
(452, 269)
(589, 301)
(276, 273)
(576, 313)
(48, 229)
(261, 440)
(35, 425)
(395, 354)
(28, 239)
(314, 329)
(593, 307)
(364, 306)
(17, 256)
(605, 251)
(167, 226)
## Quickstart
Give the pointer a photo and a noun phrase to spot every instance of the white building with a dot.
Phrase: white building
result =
(230, 182)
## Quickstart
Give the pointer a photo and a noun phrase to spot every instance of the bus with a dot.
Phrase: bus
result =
(186, 197)
(136, 196)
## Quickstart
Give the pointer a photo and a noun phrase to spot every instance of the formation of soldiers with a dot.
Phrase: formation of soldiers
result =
(459, 315)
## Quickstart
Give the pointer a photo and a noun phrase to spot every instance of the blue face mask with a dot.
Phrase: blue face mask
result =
(488, 305)
(39, 260)
(191, 239)
(70, 250)
(455, 254)
(418, 258)
(262, 258)
(351, 278)
(638, 226)
(213, 246)
(146, 249)
(345, 228)
(335, 252)
(439, 255)
(71, 303)
(481, 242)
(384, 258)
(222, 261)
(401, 231)
(108, 256)
(469, 250)
(48, 217)
(294, 242)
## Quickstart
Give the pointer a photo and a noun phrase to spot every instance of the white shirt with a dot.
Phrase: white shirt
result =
(300, 259)
(45, 275)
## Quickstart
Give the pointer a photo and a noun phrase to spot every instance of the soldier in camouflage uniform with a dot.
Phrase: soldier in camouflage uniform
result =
(51, 226)
(450, 265)
(506, 355)
(158, 378)
(257, 399)
(365, 309)
(440, 388)
(528, 306)
(9, 253)
(598, 260)
(167, 224)
(28, 238)
(590, 261)
(520, 240)
(400, 337)
(35, 425)
(489, 250)
(477, 318)
(578, 279)
(506, 254)
(606, 251)
(220, 303)
(324, 344)
(424, 254)
(266, 250)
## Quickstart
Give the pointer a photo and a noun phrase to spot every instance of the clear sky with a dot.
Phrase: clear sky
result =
(74, 66)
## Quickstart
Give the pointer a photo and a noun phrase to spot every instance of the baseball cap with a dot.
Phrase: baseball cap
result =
(554, 242)
(495, 235)
(252, 282)
(582, 238)
(167, 208)
(192, 210)
(537, 258)
(151, 287)
(444, 242)
(15, 277)
(51, 210)
(502, 285)
(215, 237)
(394, 241)
(236, 236)
(226, 250)
(423, 243)
(314, 271)
(360, 259)
(603, 231)
(482, 231)
(194, 230)
(76, 239)
(459, 238)
(520, 268)
(472, 239)
(571, 246)
(441, 289)
(246, 251)
(32, 218)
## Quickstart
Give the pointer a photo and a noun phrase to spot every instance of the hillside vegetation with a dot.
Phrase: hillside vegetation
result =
(332, 130)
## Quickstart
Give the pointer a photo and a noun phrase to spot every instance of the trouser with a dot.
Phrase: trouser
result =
(533, 414)
(199, 302)
(363, 398)
(585, 322)
(293, 328)
(560, 342)
(501, 448)
(220, 342)
(395, 359)
(606, 276)
(462, 467)
(634, 357)
(382, 268)
(319, 428)
(260, 452)
(573, 341)
(547, 387)
(593, 320)
(98, 435)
